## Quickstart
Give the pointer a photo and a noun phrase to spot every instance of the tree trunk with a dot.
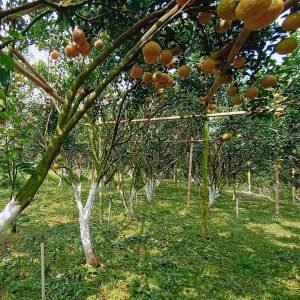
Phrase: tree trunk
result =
(91, 257)
(293, 186)
(213, 194)
(149, 188)
(24, 197)
(249, 178)
(188, 199)
(101, 202)
(128, 204)
(204, 194)
(277, 186)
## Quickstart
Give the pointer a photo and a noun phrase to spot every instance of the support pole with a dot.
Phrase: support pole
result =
(188, 200)
(43, 268)
(277, 186)
(237, 196)
(204, 195)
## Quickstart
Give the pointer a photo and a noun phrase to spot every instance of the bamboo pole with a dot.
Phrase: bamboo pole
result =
(170, 118)
(188, 200)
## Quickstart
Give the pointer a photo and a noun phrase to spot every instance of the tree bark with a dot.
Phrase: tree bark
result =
(90, 253)
(204, 194)
(249, 178)
(213, 194)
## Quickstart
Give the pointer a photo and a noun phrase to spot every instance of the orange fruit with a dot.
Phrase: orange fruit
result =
(184, 71)
(54, 55)
(286, 46)
(170, 81)
(203, 99)
(204, 17)
(207, 64)
(212, 106)
(147, 77)
(231, 91)
(136, 72)
(222, 26)
(153, 109)
(165, 57)
(252, 92)
(78, 36)
(84, 48)
(71, 51)
(226, 136)
(291, 22)
(226, 9)
(268, 81)
(18, 77)
(157, 76)
(236, 100)
(164, 77)
(99, 44)
(270, 15)
(151, 52)
(248, 8)
(239, 62)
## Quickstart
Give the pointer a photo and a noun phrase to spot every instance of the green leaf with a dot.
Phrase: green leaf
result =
(15, 152)
(4, 77)
(27, 168)
(4, 115)
(2, 94)
(7, 62)
(16, 34)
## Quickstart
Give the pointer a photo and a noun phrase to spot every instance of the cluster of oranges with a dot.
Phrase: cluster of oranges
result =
(78, 46)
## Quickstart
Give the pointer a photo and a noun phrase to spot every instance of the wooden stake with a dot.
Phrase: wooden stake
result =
(237, 195)
(188, 200)
(276, 187)
(293, 187)
(43, 268)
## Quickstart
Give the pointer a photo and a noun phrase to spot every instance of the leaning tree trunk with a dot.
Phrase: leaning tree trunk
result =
(128, 203)
(91, 256)
(204, 194)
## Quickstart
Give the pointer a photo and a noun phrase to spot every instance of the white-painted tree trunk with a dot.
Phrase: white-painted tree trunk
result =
(84, 217)
(213, 194)
(149, 188)
(128, 203)
(9, 214)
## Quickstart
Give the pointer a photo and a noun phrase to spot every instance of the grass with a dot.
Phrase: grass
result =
(159, 256)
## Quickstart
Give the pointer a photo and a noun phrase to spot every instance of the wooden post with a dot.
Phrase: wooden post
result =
(188, 200)
(276, 186)
(43, 268)
(249, 178)
(175, 173)
(293, 186)
(204, 194)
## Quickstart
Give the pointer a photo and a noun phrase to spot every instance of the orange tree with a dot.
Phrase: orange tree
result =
(172, 22)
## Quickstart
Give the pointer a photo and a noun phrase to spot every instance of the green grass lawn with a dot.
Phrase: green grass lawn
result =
(160, 255)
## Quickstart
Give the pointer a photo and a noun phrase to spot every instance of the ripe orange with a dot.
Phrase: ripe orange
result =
(252, 92)
(222, 26)
(270, 15)
(231, 91)
(204, 17)
(78, 37)
(236, 100)
(212, 106)
(248, 8)
(164, 78)
(170, 81)
(84, 49)
(54, 55)
(136, 72)
(184, 71)
(268, 81)
(99, 44)
(226, 9)
(203, 99)
(239, 62)
(18, 77)
(157, 76)
(286, 46)
(291, 22)
(71, 51)
(153, 109)
(165, 57)
(207, 64)
(151, 52)
(226, 136)
(147, 77)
